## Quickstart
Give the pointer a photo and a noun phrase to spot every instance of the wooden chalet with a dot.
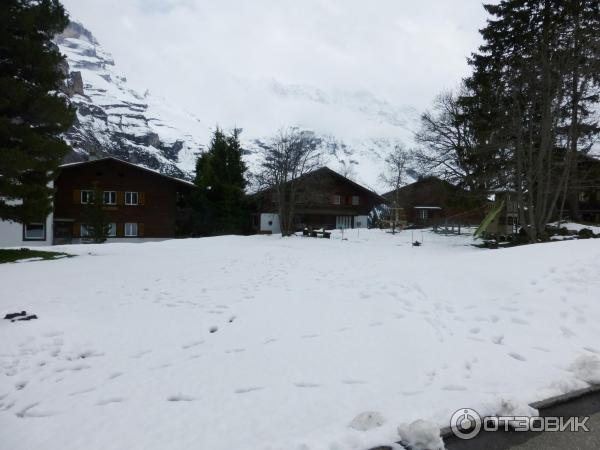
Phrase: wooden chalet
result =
(140, 203)
(431, 201)
(325, 199)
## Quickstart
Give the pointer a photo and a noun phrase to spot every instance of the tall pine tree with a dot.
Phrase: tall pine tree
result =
(33, 113)
(534, 83)
(220, 205)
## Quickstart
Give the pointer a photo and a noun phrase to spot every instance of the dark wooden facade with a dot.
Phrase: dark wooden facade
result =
(154, 202)
(325, 199)
(431, 201)
(583, 203)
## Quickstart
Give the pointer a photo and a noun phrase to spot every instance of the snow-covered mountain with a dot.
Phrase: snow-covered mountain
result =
(114, 119)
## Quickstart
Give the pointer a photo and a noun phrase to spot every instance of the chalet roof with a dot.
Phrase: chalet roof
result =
(327, 171)
(127, 163)
(424, 180)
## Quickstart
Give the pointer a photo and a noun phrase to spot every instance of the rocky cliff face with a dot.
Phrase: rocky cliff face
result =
(114, 119)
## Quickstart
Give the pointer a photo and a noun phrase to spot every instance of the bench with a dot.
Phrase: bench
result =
(316, 233)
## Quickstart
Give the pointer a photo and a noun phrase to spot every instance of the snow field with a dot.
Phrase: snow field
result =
(268, 343)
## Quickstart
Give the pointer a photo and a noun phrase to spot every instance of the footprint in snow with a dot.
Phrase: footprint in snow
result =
(475, 330)
(108, 401)
(248, 389)
(498, 340)
(454, 387)
(541, 349)
(161, 366)
(180, 398)
(140, 354)
(83, 391)
(592, 350)
(567, 332)
(270, 341)
(213, 329)
(20, 385)
(517, 356)
(307, 385)
(192, 344)
(519, 321)
(310, 336)
(231, 319)
(236, 350)
(115, 375)
(350, 381)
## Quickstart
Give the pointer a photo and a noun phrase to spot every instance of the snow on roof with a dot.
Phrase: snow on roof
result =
(156, 172)
(428, 207)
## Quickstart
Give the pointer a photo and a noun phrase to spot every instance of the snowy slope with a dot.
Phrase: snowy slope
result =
(268, 343)
(115, 119)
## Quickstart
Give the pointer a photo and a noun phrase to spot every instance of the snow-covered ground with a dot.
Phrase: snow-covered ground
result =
(268, 343)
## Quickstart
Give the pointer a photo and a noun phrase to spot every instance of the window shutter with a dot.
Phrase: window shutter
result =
(120, 229)
(76, 229)
(76, 196)
(140, 229)
(120, 198)
(141, 198)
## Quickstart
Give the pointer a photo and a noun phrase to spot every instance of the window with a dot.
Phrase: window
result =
(85, 231)
(110, 198)
(337, 199)
(131, 229)
(423, 214)
(34, 231)
(355, 200)
(87, 197)
(131, 198)
(112, 229)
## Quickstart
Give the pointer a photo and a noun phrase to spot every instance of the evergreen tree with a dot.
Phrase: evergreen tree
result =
(94, 217)
(33, 113)
(220, 205)
(529, 98)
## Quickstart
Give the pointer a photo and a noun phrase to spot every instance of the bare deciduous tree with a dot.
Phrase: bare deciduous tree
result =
(289, 155)
(395, 170)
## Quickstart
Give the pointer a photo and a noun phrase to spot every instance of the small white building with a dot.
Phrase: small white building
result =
(15, 234)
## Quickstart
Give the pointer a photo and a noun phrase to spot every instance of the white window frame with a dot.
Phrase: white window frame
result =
(130, 194)
(337, 199)
(355, 200)
(129, 234)
(34, 238)
(88, 200)
(112, 230)
(112, 194)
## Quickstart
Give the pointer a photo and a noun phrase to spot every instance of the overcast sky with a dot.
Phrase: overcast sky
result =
(194, 51)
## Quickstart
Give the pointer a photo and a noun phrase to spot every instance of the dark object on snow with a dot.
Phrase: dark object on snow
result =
(11, 316)
(31, 317)
(416, 244)
(585, 233)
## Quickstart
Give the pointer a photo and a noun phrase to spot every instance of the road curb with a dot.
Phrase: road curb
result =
(540, 405)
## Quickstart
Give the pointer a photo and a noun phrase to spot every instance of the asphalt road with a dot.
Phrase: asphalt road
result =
(587, 404)
(579, 404)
